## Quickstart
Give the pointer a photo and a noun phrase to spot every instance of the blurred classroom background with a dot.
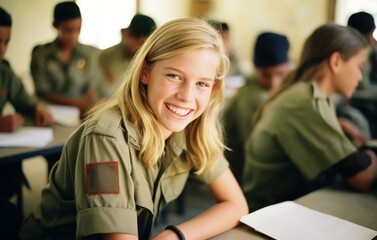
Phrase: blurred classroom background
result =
(103, 19)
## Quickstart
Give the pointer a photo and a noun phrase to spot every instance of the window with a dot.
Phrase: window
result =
(103, 20)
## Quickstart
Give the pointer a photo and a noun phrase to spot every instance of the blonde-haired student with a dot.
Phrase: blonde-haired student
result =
(297, 144)
(135, 151)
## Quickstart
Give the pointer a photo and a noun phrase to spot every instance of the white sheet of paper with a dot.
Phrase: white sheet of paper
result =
(65, 115)
(291, 221)
(27, 137)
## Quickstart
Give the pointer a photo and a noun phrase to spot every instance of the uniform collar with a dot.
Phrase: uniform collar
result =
(77, 50)
(317, 93)
(132, 134)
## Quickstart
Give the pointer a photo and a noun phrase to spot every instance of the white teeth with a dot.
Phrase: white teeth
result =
(178, 111)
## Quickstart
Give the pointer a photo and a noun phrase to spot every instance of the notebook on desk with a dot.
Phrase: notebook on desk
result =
(27, 137)
(292, 221)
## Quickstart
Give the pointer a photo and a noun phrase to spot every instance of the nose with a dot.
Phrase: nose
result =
(186, 92)
(275, 81)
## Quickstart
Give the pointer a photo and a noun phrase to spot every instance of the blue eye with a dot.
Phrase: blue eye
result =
(174, 76)
(203, 84)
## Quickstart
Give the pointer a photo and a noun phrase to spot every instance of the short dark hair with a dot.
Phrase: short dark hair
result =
(5, 18)
(65, 11)
(362, 22)
(141, 26)
(270, 49)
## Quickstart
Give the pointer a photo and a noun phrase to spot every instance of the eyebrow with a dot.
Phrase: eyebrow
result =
(180, 71)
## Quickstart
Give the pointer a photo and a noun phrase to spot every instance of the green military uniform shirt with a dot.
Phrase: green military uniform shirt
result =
(100, 186)
(50, 74)
(295, 143)
(237, 119)
(114, 63)
(12, 90)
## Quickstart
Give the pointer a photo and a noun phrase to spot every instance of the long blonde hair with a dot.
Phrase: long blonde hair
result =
(318, 48)
(204, 138)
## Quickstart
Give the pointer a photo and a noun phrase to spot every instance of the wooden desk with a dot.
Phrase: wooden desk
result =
(356, 207)
(16, 154)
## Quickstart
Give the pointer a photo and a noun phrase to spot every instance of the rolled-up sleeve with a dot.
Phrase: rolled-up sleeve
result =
(104, 187)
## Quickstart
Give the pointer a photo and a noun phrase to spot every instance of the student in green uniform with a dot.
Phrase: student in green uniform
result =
(12, 90)
(115, 60)
(134, 153)
(64, 71)
(297, 144)
(271, 63)
(365, 24)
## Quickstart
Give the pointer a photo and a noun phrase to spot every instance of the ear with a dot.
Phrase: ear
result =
(144, 73)
(335, 62)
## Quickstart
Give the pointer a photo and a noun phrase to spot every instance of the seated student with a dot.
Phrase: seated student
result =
(365, 24)
(12, 90)
(271, 63)
(135, 151)
(65, 70)
(115, 60)
(296, 144)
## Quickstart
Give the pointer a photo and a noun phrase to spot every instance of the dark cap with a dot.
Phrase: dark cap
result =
(141, 26)
(5, 18)
(65, 11)
(270, 49)
(219, 26)
(362, 22)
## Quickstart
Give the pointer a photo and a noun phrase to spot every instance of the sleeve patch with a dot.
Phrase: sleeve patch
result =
(102, 178)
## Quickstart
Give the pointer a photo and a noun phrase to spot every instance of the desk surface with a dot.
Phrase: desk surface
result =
(12, 154)
(359, 208)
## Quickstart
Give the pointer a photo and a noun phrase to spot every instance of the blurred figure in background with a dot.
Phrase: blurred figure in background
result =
(64, 70)
(271, 63)
(364, 23)
(297, 145)
(364, 114)
(115, 60)
(234, 79)
(12, 90)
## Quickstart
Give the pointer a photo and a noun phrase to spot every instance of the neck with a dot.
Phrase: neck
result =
(325, 85)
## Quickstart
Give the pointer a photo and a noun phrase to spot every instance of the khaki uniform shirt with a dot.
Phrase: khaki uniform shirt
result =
(294, 144)
(238, 117)
(114, 64)
(50, 74)
(12, 90)
(100, 186)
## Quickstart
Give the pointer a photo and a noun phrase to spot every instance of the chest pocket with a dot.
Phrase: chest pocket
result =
(172, 186)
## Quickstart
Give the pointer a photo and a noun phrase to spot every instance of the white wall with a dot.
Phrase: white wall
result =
(32, 24)
(165, 10)
(247, 18)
